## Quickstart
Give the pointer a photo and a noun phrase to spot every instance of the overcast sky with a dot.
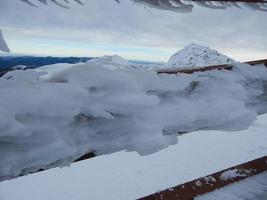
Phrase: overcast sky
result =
(104, 27)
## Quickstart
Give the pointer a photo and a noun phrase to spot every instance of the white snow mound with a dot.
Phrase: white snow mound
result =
(110, 62)
(194, 55)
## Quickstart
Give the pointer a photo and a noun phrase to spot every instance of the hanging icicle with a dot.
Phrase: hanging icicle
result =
(3, 44)
(173, 5)
(187, 5)
(61, 3)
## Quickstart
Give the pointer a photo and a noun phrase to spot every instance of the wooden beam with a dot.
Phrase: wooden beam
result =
(207, 68)
(209, 183)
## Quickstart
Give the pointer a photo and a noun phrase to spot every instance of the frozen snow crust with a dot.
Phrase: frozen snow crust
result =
(194, 55)
(52, 120)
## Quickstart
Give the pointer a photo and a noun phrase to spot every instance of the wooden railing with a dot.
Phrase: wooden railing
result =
(209, 183)
(207, 68)
(227, 67)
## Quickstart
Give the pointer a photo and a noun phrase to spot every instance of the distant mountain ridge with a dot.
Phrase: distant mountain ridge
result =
(8, 62)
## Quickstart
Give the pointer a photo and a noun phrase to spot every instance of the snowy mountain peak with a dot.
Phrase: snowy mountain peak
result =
(111, 62)
(3, 44)
(194, 55)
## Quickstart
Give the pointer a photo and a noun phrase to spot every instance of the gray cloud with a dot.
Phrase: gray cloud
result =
(240, 32)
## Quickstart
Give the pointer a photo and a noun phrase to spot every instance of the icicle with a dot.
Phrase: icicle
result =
(79, 2)
(3, 44)
(208, 4)
(59, 4)
(172, 5)
(255, 6)
(181, 6)
(29, 3)
(43, 1)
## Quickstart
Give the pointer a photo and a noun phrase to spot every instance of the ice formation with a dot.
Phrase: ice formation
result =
(3, 44)
(172, 5)
(52, 120)
(194, 55)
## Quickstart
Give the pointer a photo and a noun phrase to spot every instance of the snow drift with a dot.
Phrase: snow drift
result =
(194, 55)
(52, 120)
(111, 62)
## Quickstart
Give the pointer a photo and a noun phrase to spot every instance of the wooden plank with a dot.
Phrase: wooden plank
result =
(192, 70)
(257, 62)
(209, 183)
(207, 68)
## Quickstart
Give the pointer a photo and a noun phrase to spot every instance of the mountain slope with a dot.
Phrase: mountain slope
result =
(194, 55)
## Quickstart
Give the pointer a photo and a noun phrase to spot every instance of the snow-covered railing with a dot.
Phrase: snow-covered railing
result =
(209, 183)
(106, 115)
(206, 68)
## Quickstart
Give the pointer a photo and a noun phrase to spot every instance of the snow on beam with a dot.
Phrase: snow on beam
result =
(214, 67)
(192, 70)
(258, 62)
(203, 185)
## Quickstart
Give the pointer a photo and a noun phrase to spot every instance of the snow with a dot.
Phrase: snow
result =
(175, 6)
(111, 62)
(48, 70)
(194, 55)
(87, 107)
(3, 44)
(252, 188)
(187, 6)
(19, 67)
(127, 175)
(234, 173)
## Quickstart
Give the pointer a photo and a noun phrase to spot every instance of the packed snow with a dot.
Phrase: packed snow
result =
(128, 176)
(252, 188)
(194, 55)
(52, 120)
(111, 62)
(234, 173)
(3, 44)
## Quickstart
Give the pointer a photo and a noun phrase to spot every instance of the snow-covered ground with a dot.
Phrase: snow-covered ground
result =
(127, 175)
(49, 70)
(111, 62)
